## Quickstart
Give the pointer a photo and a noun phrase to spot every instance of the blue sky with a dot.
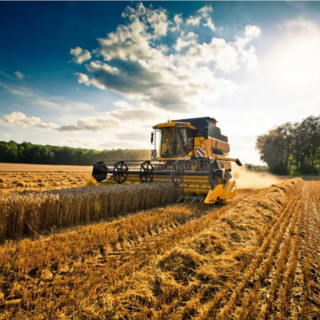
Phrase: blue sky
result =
(100, 74)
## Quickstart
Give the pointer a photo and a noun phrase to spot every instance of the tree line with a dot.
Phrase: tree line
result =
(27, 152)
(292, 148)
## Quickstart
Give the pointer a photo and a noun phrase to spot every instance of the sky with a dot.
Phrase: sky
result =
(101, 74)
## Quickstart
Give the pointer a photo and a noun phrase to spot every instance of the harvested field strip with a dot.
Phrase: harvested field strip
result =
(283, 283)
(135, 256)
(223, 301)
(311, 264)
(35, 212)
(250, 276)
(190, 274)
(268, 274)
(103, 254)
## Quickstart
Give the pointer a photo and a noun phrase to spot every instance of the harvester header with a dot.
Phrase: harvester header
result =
(192, 153)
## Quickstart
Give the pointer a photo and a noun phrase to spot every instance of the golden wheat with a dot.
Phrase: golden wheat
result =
(183, 261)
(35, 212)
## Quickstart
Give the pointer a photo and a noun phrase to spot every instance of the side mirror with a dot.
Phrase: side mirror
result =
(152, 137)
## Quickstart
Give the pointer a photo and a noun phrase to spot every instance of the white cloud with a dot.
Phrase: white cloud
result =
(14, 117)
(202, 18)
(205, 15)
(252, 32)
(177, 22)
(154, 20)
(19, 118)
(80, 55)
(227, 56)
(83, 78)
(19, 75)
(137, 64)
(182, 44)
(98, 123)
(193, 21)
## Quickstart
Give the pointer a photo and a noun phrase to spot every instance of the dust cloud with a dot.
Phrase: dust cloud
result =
(249, 179)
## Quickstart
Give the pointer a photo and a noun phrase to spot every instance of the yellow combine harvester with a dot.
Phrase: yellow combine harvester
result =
(192, 153)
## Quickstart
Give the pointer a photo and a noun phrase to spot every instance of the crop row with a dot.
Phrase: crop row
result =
(178, 262)
(184, 281)
(35, 212)
(226, 301)
(80, 265)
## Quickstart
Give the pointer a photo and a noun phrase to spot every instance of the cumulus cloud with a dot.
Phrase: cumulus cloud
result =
(136, 61)
(19, 75)
(227, 56)
(202, 16)
(252, 31)
(155, 20)
(205, 11)
(19, 118)
(97, 123)
(83, 78)
(193, 20)
(80, 55)
(177, 22)
(107, 121)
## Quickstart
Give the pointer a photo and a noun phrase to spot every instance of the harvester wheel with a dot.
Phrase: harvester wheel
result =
(146, 172)
(120, 172)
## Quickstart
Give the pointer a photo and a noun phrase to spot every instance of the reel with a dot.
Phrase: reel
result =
(120, 172)
(99, 171)
(146, 172)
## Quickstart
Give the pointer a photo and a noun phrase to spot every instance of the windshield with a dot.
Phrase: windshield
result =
(176, 142)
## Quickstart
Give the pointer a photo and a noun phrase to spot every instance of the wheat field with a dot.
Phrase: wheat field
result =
(35, 177)
(256, 257)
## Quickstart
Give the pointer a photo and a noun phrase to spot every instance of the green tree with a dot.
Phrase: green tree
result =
(292, 148)
(272, 151)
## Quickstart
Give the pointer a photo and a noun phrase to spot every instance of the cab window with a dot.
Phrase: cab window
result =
(176, 142)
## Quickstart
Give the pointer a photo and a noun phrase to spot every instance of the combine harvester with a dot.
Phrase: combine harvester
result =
(192, 153)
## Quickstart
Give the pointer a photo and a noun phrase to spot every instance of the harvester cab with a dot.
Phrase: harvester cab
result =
(192, 153)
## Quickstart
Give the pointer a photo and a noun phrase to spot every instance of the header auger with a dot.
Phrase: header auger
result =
(192, 153)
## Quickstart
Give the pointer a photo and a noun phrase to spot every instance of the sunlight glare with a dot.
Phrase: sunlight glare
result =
(297, 64)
